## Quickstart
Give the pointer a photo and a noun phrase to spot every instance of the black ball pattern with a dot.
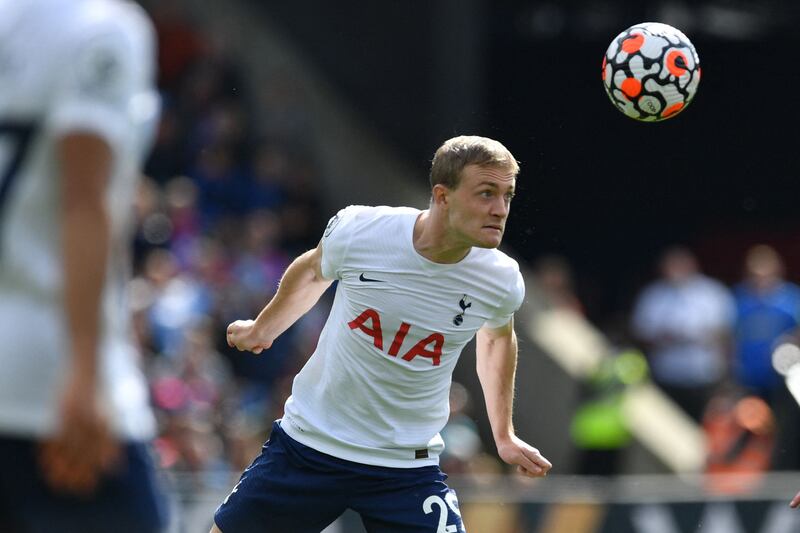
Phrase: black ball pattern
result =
(651, 71)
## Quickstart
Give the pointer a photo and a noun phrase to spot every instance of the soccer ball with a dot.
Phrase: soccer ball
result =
(651, 71)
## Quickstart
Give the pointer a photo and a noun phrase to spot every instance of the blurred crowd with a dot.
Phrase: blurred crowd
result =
(227, 202)
(717, 351)
(711, 349)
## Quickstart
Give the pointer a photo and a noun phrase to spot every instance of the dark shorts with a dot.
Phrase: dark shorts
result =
(127, 501)
(291, 488)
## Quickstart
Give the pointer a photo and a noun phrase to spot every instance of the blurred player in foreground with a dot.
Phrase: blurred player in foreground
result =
(787, 363)
(77, 111)
(360, 429)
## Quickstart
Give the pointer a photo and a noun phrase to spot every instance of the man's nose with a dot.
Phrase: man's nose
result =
(500, 208)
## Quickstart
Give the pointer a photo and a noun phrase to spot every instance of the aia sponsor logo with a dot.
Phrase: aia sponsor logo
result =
(369, 322)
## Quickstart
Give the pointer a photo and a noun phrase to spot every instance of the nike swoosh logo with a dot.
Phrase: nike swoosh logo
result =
(362, 278)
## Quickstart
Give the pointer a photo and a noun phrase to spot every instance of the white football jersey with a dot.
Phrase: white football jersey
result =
(67, 65)
(376, 390)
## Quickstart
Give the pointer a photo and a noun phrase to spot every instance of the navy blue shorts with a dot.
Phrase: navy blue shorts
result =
(291, 488)
(126, 501)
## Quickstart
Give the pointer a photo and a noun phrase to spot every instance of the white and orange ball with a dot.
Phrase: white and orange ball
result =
(651, 71)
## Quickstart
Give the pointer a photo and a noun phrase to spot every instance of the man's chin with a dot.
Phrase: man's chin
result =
(489, 242)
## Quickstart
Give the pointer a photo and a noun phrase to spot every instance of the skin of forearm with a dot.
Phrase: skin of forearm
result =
(86, 244)
(85, 161)
(496, 367)
(300, 288)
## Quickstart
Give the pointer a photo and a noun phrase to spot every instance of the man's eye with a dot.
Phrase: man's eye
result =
(486, 194)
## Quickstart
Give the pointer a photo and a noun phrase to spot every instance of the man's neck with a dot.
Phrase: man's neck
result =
(433, 242)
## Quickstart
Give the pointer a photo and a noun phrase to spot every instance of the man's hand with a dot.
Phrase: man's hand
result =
(529, 461)
(74, 460)
(795, 503)
(243, 336)
(299, 289)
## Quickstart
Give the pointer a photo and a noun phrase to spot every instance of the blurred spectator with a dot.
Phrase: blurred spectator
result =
(222, 184)
(152, 228)
(180, 199)
(270, 168)
(179, 302)
(188, 392)
(461, 438)
(740, 431)
(684, 320)
(181, 44)
(301, 213)
(246, 431)
(767, 308)
(487, 515)
(599, 429)
(213, 80)
(260, 262)
(167, 158)
(553, 277)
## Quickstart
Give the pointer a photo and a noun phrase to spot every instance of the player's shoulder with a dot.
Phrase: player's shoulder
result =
(113, 13)
(494, 269)
(377, 211)
(120, 20)
(497, 260)
(369, 216)
(497, 273)
(76, 20)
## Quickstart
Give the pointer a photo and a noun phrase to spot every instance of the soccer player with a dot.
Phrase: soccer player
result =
(77, 113)
(361, 428)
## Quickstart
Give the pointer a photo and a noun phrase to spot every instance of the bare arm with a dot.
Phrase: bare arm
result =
(74, 458)
(497, 364)
(86, 165)
(301, 286)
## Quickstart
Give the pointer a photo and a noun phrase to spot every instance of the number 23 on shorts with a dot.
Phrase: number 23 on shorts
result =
(431, 504)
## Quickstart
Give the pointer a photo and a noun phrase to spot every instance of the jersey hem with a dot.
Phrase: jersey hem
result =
(348, 454)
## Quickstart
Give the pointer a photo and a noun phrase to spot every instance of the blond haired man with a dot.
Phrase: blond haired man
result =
(361, 428)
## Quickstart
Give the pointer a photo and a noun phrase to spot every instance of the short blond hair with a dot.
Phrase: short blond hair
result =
(458, 152)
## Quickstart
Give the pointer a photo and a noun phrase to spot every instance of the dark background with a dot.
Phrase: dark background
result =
(601, 189)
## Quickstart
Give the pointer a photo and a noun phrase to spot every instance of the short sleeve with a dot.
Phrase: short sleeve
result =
(109, 67)
(336, 240)
(510, 304)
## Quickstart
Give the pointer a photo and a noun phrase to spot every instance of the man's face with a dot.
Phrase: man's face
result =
(678, 266)
(478, 208)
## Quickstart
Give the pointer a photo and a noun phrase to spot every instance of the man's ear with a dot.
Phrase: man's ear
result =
(440, 195)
